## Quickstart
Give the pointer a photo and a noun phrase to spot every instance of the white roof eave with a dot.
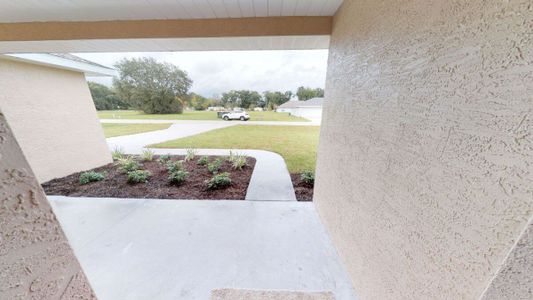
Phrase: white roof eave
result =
(45, 59)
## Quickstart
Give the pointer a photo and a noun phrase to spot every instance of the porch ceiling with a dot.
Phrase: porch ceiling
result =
(98, 10)
(164, 25)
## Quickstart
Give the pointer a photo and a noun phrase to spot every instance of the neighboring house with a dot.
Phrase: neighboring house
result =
(46, 100)
(288, 106)
(310, 109)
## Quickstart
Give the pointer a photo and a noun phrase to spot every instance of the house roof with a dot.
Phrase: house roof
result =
(78, 59)
(64, 61)
(290, 104)
(314, 102)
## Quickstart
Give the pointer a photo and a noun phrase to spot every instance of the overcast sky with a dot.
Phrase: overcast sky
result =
(216, 72)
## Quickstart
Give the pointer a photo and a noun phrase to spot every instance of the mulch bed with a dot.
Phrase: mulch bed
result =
(158, 186)
(304, 191)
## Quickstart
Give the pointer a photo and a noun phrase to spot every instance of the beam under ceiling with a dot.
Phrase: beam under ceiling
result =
(145, 29)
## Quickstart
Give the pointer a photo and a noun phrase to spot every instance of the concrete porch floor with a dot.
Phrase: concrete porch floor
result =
(183, 249)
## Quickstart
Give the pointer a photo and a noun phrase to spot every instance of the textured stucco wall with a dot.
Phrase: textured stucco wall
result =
(53, 117)
(515, 278)
(36, 261)
(425, 163)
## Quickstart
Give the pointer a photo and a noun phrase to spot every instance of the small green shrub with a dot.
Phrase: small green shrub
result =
(231, 156)
(218, 181)
(117, 153)
(138, 176)
(308, 177)
(239, 162)
(164, 159)
(178, 177)
(203, 161)
(128, 164)
(191, 154)
(147, 155)
(214, 167)
(91, 176)
(174, 166)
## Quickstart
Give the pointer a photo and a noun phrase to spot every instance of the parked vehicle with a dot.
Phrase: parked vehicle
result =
(236, 115)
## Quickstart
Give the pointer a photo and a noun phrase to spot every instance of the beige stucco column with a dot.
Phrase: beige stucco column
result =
(425, 163)
(36, 261)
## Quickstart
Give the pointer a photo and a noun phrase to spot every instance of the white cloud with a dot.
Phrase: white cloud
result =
(215, 72)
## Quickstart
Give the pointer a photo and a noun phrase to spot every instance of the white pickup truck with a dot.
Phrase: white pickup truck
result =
(236, 115)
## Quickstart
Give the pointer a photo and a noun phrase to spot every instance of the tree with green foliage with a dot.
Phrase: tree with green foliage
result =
(306, 93)
(153, 87)
(243, 98)
(275, 99)
(105, 98)
(199, 102)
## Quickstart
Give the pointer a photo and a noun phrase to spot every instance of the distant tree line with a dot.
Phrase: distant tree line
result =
(269, 99)
(162, 88)
(305, 93)
(105, 98)
(199, 102)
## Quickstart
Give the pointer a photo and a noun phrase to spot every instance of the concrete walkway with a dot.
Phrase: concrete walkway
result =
(136, 142)
(270, 179)
(213, 122)
(166, 249)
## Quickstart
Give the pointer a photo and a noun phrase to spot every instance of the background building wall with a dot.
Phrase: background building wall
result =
(425, 163)
(310, 113)
(36, 261)
(52, 114)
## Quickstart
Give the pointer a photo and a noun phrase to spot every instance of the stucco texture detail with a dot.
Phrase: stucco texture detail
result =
(52, 115)
(515, 279)
(425, 163)
(36, 261)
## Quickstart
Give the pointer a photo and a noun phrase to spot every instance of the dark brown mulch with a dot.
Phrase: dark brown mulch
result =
(158, 186)
(304, 191)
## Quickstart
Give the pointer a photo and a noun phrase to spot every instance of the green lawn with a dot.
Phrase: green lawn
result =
(195, 115)
(297, 144)
(111, 129)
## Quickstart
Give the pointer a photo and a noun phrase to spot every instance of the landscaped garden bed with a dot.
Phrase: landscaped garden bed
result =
(303, 185)
(161, 177)
(297, 145)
